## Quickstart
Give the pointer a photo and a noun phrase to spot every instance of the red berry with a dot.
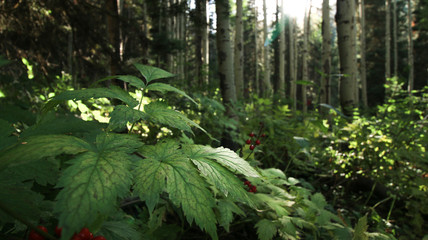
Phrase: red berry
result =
(35, 236)
(258, 142)
(58, 231)
(253, 189)
(248, 141)
(252, 147)
(76, 237)
(99, 238)
(252, 134)
(263, 135)
(247, 182)
(85, 234)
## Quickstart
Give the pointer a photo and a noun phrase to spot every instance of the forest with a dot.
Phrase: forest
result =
(213, 119)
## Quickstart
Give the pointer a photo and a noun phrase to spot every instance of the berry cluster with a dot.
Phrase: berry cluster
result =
(84, 234)
(251, 188)
(257, 142)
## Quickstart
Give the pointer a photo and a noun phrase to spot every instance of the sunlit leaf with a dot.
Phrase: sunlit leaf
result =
(162, 87)
(152, 73)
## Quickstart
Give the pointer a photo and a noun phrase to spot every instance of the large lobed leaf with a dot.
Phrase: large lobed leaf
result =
(94, 181)
(162, 87)
(221, 177)
(122, 114)
(85, 94)
(166, 168)
(225, 157)
(152, 73)
(38, 147)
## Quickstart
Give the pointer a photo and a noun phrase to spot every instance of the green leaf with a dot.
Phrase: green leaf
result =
(122, 114)
(304, 82)
(85, 94)
(19, 199)
(38, 147)
(14, 113)
(44, 171)
(266, 229)
(360, 229)
(69, 125)
(162, 87)
(152, 73)
(119, 230)
(331, 107)
(6, 130)
(226, 209)
(159, 112)
(133, 81)
(220, 176)
(169, 170)
(227, 158)
(94, 181)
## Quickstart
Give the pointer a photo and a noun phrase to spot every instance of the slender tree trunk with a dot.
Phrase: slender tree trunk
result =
(305, 71)
(256, 54)
(345, 19)
(410, 48)
(267, 86)
(326, 54)
(388, 39)
(394, 37)
(293, 90)
(200, 41)
(113, 35)
(281, 81)
(206, 44)
(363, 55)
(239, 52)
(225, 57)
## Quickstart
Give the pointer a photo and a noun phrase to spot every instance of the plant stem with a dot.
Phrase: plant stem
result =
(26, 222)
(139, 107)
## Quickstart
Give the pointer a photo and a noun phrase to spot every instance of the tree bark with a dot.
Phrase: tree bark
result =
(394, 37)
(257, 84)
(326, 54)
(388, 39)
(410, 48)
(345, 19)
(363, 74)
(239, 52)
(225, 58)
(292, 65)
(267, 86)
(281, 80)
(201, 41)
(113, 35)
(305, 71)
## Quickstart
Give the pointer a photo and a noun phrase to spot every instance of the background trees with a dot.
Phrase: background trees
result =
(247, 63)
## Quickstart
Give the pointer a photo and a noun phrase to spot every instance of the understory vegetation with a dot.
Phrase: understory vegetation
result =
(146, 163)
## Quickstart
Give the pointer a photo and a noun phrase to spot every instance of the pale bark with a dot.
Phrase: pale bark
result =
(326, 54)
(292, 71)
(410, 47)
(225, 58)
(305, 71)
(206, 45)
(345, 19)
(256, 86)
(239, 52)
(363, 74)
(267, 86)
(388, 39)
(281, 81)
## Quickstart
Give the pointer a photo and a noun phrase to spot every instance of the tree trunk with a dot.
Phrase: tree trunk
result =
(388, 39)
(363, 54)
(206, 44)
(345, 19)
(410, 48)
(113, 35)
(239, 52)
(225, 58)
(281, 80)
(394, 37)
(225, 68)
(267, 86)
(201, 42)
(256, 87)
(293, 88)
(326, 54)
(305, 71)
